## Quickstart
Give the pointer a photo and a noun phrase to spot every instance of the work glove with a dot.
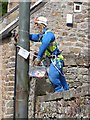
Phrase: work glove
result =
(36, 62)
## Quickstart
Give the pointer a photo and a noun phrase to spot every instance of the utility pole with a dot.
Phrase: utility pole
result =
(22, 76)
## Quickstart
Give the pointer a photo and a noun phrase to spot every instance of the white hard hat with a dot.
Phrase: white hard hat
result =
(42, 20)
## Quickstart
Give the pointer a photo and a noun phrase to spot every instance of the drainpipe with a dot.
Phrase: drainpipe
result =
(22, 77)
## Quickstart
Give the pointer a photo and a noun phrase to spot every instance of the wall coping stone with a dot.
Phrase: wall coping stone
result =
(66, 95)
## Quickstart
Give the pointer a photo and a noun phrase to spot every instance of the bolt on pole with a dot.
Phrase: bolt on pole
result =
(22, 77)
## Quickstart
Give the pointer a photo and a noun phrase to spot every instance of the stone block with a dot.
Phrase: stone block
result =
(78, 91)
(82, 61)
(72, 39)
(10, 104)
(75, 50)
(50, 97)
(11, 64)
(60, 103)
(70, 61)
(85, 90)
(64, 33)
(83, 71)
(72, 93)
(43, 86)
(66, 95)
(53, 107)
(9, 111)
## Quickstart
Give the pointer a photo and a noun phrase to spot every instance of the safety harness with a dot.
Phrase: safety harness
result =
(51, 48)
(48, 53)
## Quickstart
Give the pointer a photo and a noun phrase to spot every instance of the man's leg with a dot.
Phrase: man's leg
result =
(55, 79)
(64, 82)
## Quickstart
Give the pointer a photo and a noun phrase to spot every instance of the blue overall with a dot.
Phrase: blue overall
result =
(57, 78)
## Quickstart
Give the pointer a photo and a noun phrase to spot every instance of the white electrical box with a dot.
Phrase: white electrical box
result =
(69, 20)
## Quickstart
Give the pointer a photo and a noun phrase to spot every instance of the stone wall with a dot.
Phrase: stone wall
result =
(65, 105)
(8, 70)
(74, 43)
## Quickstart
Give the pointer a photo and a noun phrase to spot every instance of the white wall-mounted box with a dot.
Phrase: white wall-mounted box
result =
(69, 20)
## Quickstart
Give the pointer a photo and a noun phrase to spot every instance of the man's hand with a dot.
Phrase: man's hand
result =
(36, 62)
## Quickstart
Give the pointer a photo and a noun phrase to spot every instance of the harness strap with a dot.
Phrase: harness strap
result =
(60, 57)
(49, 51)
(57, 68)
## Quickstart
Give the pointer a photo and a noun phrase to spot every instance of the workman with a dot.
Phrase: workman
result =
(49, 49)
